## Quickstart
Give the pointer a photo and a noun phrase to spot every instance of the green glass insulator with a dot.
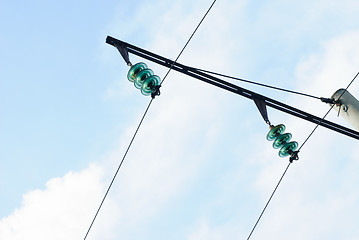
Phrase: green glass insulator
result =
(275, 132)
(282, 140)
(288, 149)
(149, 84)
(141, 77)
(134, 70)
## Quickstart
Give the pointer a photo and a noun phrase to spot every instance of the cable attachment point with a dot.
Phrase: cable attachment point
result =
(328, 100)
(156, 91)
(294, 156)
(331, 101)
(124, 53)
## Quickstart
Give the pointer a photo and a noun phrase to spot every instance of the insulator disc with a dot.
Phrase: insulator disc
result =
(141, 77)
(275, 132)
(282, 140)
(288, 149)
(149, 84)
(134, 70)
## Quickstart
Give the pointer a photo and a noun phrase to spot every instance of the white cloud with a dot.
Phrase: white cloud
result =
(61, 211)
(331, 69)
(184, 140)
(206, 231)
(174, 142)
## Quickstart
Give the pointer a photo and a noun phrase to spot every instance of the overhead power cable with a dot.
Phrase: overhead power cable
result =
(265, 207)
(257, 83)
(139, 125)
(118, 168)
(285, 171)
(190, 38)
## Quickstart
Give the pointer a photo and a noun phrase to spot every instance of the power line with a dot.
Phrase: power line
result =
(265, 207)
(118, 168)
(139, 125)
(280, 180)
(259, 84)
(190, 38)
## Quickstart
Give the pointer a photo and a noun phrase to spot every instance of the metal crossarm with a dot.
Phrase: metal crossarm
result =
(230, 87)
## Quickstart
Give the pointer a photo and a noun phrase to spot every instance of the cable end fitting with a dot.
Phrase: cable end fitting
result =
(329, 100)
(156, 91)
(294, 156)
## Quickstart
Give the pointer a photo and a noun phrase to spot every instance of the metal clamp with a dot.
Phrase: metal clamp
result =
(294, 156)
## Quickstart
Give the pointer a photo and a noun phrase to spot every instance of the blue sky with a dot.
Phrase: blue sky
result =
(200, 167)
